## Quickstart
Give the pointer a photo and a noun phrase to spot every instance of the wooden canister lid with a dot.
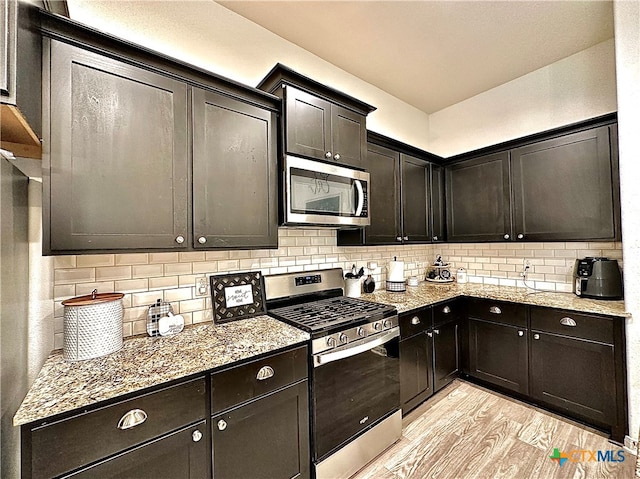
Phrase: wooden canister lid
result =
(93, 298)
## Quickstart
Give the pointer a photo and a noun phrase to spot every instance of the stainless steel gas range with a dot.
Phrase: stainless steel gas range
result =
(353, 368)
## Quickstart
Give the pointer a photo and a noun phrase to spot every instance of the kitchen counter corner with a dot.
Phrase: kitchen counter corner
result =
(143, 362)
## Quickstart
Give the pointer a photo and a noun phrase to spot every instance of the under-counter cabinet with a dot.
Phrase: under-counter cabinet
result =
(319, 122)
(164, 433)
(260, 419)
(577, 366)
(498, 349)
(147, 153)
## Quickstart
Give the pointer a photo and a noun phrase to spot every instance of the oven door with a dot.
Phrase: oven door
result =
(318, 193)
(353, 388)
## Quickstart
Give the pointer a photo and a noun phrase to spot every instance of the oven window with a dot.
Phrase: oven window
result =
(352, 393)
(321, 193)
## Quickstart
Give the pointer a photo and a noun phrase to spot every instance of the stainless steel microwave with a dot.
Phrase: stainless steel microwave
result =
(322, 194)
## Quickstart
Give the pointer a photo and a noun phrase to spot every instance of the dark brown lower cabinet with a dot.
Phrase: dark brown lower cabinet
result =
(498, 354)
(446, 354)
(183, 454)
(265, 438)
(416, 370)
(574, 375)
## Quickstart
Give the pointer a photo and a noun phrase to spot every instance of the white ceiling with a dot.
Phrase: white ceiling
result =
(433, 54)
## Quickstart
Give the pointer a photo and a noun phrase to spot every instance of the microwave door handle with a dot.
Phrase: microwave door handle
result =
(348, 351)
(358, 184)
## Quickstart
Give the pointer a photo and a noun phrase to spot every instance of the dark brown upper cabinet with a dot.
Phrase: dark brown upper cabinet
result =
(319, 122)
(118, 155)
(234, 173)
(560, 188)
(563, 189)
(146, 153)
(478, 204)
(406, 198)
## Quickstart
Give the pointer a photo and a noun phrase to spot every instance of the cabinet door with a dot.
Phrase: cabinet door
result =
(416, 371)
(183, 454)
(118, 168)
(267, 438)
(348, 136)
(234, 174)
(437, 204)
(498, 354)
(563, 188)
(446, 354)
(574, 375)
(307, 124)
(384, 196)
(415, 199)
(478, 203)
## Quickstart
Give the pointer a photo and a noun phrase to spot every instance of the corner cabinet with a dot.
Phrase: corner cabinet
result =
(146, 153)
(234, 173)
(117, 173)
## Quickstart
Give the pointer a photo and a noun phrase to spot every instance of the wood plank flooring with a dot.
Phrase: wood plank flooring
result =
(466, 431)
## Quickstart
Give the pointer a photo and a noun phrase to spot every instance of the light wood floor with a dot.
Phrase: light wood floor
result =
(466, 431)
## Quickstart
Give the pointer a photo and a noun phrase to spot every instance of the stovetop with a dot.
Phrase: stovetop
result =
(331, 314)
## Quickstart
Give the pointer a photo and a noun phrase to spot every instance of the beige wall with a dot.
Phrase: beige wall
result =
(223, 42)
(627, 28)
(576, 88)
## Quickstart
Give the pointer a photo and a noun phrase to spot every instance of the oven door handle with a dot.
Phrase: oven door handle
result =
(348, 350)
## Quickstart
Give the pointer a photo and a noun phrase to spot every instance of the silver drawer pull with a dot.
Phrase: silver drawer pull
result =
(446, 310)
(566, 321)
(495, 310)
(222, 425)
(265, 373)
(133, 418)
(196, 436)
(415, 320)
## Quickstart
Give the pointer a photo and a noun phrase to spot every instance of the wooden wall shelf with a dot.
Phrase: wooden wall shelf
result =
(16, 135)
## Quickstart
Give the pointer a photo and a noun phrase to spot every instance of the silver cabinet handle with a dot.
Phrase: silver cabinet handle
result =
(327, 154)
(506, 236)
(202, 240)
(265, 372)
(435, 238)
(133, 418)
(415, 320)
(179, 239)
(446, 310)
(196, 436)
(406, 238)
(398, 238)
(566, 321)
(520, 333)
(495, 310)
(222, 425)
(336, 157)
(520, 236)
(436, 331)
(430, 334)
(536, 336)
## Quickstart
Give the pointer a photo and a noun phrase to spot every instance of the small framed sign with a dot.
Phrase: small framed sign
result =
(237, 296)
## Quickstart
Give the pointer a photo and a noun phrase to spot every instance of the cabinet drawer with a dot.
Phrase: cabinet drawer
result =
(80, 440)
(445, 312)
(414, 323)
(241, 383)
(595, 328)
(498, 311)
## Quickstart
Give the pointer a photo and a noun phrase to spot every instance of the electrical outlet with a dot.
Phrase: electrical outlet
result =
(526, 266)
(202, 286)
(631, 444)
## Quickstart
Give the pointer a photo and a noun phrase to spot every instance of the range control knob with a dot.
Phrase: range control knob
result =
(361, 332)
(387, 324)
(343, 338)
(377, 326)
(331, 342)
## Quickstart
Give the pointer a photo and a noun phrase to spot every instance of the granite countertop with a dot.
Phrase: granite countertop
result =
(62, 386)
(426, 294)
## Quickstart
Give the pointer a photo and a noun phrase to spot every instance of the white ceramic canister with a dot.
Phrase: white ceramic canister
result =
(353, 288)
(461, 276)
(92, 325)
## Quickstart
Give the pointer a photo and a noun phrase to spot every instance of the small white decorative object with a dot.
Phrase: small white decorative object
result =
(170, 324)
(461, 276)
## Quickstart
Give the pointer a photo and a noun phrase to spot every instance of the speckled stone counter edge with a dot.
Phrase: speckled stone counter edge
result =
(143, 362)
